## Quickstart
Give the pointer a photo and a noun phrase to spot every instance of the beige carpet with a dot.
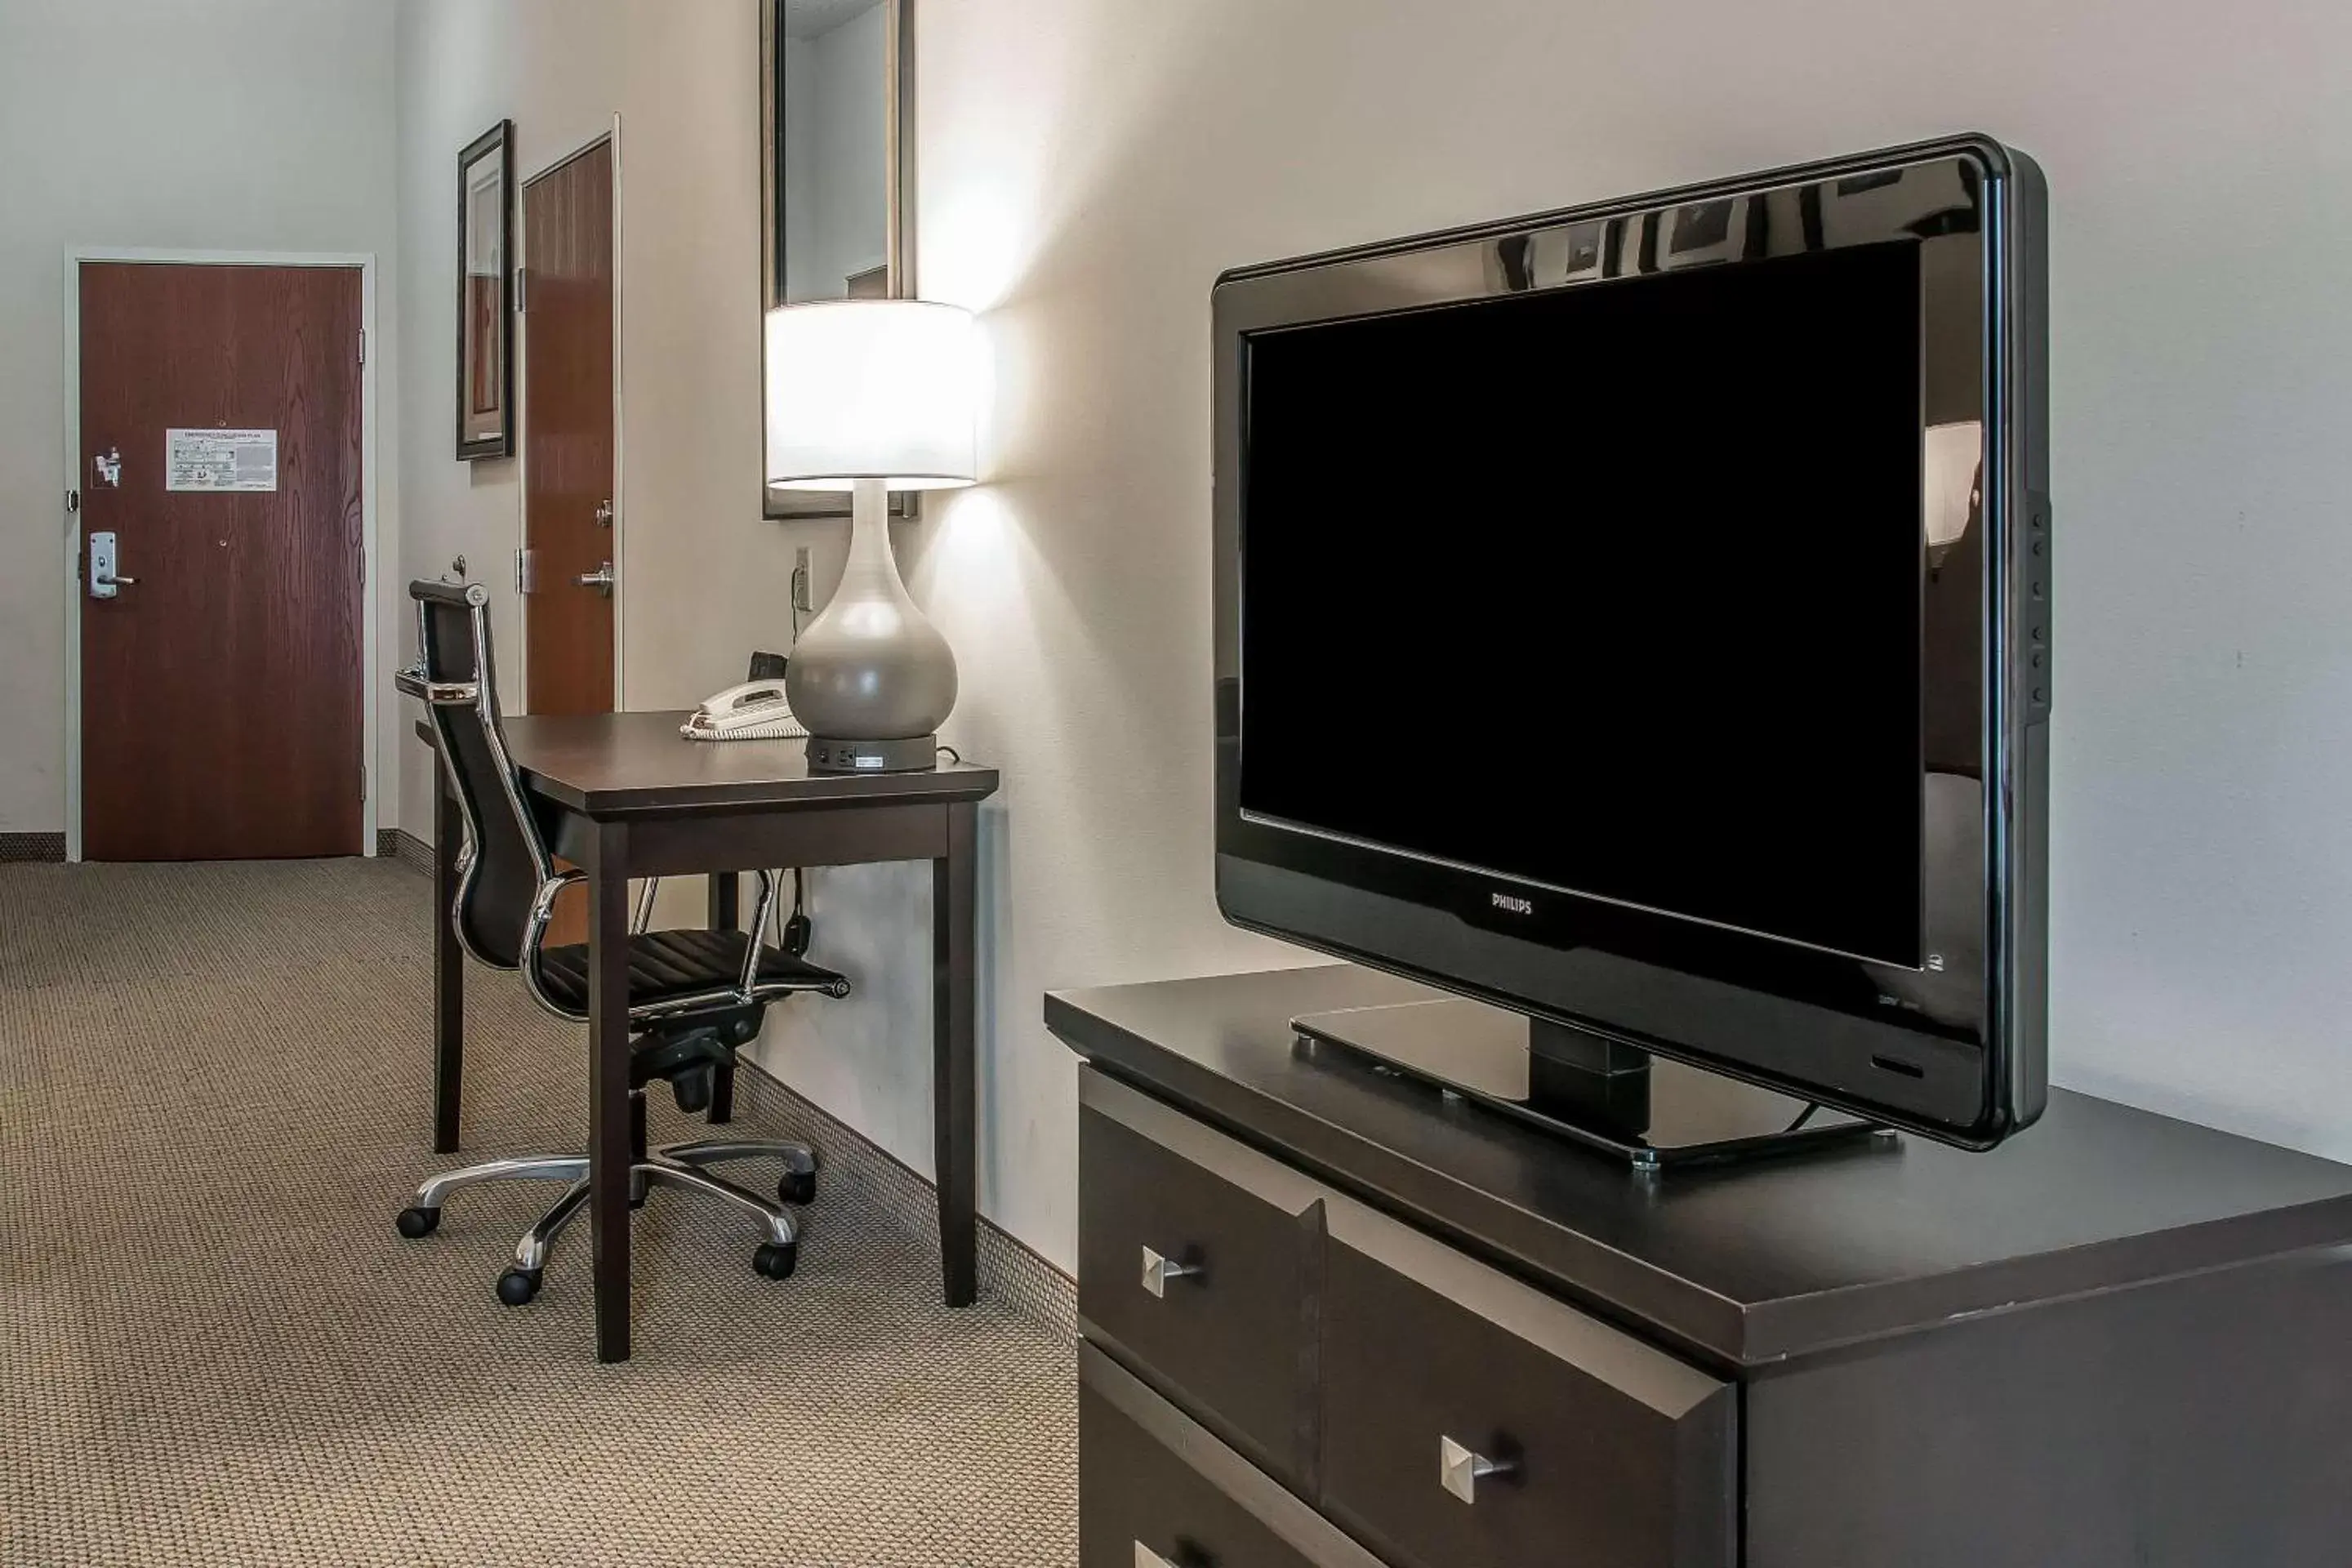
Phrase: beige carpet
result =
(216, 1352)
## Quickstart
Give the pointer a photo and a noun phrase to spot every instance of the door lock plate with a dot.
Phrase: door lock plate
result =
(103, 583)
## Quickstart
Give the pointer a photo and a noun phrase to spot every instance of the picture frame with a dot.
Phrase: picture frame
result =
(486, 334)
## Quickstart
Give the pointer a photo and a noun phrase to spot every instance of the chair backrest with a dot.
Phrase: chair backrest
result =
(506, 861)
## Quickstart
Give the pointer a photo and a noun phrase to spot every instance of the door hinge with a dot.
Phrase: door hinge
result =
(363, 345)
(522, 289)
(526, 571)
(73, 500)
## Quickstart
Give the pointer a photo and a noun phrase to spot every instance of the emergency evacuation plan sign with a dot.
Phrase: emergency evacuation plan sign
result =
(220, 459)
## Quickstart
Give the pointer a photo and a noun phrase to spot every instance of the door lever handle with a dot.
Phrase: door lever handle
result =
(599, 579)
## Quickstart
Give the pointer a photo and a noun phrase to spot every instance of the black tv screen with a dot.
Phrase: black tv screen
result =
(1636, 566)
(1637, 617)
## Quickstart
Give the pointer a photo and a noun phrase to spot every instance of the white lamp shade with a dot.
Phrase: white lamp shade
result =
(870, 389)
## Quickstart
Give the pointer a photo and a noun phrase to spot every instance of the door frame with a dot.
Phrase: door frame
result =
(519, 684)
(76, 482)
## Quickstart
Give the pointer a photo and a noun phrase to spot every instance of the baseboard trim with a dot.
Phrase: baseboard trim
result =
(1008, 1266)
(399, 844)
(44, 847)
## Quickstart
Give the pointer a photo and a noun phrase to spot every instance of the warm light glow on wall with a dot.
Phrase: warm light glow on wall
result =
(973, 251)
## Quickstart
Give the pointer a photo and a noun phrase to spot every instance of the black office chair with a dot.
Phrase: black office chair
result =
(694, 995)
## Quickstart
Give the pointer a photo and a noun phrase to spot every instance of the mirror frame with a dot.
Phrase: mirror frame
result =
(899, 236)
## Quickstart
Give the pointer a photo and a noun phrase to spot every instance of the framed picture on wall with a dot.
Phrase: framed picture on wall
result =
(485, 295)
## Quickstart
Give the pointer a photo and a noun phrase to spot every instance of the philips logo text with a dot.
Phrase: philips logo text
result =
(1512, 903)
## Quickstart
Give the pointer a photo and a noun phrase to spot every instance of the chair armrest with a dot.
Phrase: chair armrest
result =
(752, 949)
(542, 909)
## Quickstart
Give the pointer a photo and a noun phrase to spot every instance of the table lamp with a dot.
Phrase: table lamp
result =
(870, 397)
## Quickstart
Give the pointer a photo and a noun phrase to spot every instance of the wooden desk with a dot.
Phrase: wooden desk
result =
(621, 795)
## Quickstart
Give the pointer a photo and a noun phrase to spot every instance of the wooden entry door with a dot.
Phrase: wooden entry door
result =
(220, 684)
(568, 436)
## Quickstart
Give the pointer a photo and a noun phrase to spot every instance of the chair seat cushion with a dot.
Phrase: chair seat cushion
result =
(665, 966)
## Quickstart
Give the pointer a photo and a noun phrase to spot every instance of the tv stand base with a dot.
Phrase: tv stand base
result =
(1615, 1098)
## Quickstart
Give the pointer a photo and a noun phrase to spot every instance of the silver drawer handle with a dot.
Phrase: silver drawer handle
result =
(1158, 1270)
(1460, 1469)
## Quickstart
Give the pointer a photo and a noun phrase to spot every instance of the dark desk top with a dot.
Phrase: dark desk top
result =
(614, 764)
(1754, 1263)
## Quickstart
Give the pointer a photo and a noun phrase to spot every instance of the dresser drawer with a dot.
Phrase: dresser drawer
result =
(1156, 1491)
(1604, 1451)
(1193, 1254)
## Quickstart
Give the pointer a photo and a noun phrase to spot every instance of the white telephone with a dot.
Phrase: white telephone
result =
(755, 710)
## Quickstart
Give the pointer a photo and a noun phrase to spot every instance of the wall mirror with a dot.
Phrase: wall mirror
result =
(836, 162)
(485, 188)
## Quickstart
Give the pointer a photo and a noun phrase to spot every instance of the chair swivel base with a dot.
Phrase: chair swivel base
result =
(679, 1166)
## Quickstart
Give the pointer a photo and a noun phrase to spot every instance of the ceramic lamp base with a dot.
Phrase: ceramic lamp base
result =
(918, 753)
(872, 670)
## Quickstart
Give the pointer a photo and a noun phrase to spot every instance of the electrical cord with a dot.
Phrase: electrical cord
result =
(950, 754)
(799, 929)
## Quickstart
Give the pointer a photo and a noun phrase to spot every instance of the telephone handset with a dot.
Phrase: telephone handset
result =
(755, 710)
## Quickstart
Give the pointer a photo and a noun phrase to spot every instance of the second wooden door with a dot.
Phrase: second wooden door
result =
(569, 541)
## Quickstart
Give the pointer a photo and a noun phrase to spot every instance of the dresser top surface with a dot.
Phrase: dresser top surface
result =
(1752, 1263)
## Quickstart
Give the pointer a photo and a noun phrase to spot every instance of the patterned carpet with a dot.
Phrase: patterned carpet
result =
(215, 1350)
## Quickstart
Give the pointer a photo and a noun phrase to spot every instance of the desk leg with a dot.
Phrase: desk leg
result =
(608, 1083)
(726, 915)
(448, 969)
(954, 981)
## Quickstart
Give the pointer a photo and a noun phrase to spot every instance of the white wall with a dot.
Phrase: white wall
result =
(553, 67)
(232, 125)
(835, 160)
(701, 576)
(800, 174)
(1088, 166)
(853, 163)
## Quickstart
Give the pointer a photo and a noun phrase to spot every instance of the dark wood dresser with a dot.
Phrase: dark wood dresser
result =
(1336, 1319)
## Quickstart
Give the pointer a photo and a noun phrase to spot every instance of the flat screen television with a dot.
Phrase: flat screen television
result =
(1635, 619)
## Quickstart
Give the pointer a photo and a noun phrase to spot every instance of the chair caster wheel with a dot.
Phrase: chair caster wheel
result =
(775, 1258)
(797, 1187)
(415, 1222)
(517, 1286)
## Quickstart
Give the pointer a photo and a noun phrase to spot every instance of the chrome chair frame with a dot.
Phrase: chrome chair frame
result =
(679, 1166)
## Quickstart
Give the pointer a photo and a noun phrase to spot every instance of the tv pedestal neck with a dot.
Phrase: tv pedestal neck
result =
(1608, 1096)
